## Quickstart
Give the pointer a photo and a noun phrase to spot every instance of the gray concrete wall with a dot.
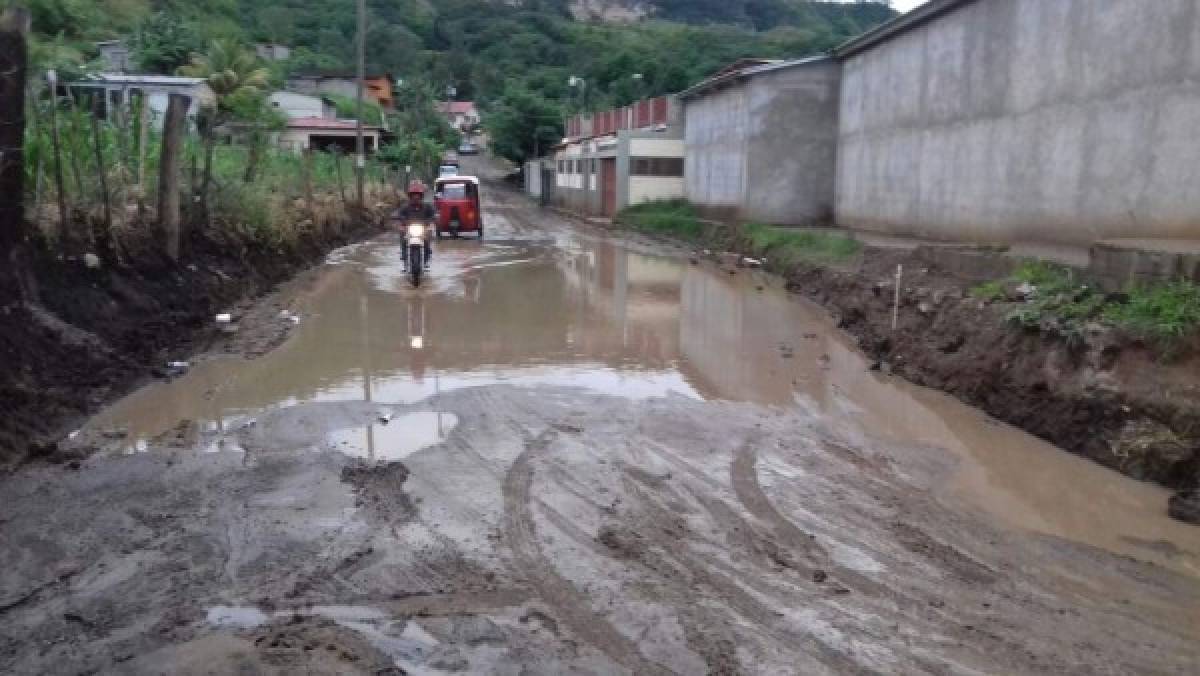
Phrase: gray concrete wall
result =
(792, 170)
(716, 132)
(1055, 120)
(765, 149)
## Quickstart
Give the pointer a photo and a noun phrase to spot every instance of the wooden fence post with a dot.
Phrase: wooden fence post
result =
(168, 173)
(143, 139)
(307, 169)
(103, 239)
(14, 233)
(60, 184)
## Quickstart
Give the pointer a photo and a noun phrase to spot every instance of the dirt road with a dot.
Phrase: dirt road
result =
(571, 454)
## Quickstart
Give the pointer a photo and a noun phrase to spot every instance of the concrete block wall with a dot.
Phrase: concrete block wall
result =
(764, 148)
(1027, 120)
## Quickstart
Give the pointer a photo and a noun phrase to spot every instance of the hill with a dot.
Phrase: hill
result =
(497, 52)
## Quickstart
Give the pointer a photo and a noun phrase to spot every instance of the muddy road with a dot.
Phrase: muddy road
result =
(572, 454)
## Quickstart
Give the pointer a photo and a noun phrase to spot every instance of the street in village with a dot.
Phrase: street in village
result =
(569, 452)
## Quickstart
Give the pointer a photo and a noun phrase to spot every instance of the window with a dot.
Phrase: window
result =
(593, 168)
(562, 167)
(454, 191)
(657, 166)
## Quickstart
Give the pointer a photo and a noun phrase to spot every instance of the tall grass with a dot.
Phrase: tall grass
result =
(258, 209)
(794, 246)
(665, 217)
(1164, 313)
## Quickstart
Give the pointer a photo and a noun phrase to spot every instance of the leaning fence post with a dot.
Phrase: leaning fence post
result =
(168, 172)
(14, 26)
(64, 219)
(104, 238)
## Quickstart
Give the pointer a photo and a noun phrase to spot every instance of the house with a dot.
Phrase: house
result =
(118, 89)
(293, 105)
(115, 56)
(320, 133)
(617, 158)
(761, 139)
(377, 88)
(269, 51)
(462, 115)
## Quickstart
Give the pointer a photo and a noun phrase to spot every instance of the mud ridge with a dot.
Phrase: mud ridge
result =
(94, 334)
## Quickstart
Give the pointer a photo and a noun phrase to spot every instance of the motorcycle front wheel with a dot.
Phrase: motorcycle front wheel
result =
(416, 264)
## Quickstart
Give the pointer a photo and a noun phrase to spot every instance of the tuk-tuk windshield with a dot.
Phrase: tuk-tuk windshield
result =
(454, 191)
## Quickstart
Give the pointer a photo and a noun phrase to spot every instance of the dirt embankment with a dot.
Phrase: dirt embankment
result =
(1105, 395)
(95, 332)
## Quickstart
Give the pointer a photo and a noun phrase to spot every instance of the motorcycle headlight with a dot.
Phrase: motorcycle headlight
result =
(416, 230)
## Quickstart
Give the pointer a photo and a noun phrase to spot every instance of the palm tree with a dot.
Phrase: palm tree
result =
(232, 72)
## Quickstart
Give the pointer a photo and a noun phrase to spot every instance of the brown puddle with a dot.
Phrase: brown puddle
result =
(579, 312)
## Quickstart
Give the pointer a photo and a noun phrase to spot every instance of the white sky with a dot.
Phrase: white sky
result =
(905, 5)
(902, 5)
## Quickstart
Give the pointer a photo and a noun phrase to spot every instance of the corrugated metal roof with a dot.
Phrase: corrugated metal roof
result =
(729, 77)
(155, 80)
(326, 123)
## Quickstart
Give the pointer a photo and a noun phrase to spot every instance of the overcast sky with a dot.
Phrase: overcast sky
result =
(902, 5)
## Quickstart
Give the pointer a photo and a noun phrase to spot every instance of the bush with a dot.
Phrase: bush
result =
(791, 246)
(665, 217)
(1166, 313)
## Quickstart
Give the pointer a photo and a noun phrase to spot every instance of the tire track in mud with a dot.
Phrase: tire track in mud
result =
(685, 567)
(743, 475)
(567, 602)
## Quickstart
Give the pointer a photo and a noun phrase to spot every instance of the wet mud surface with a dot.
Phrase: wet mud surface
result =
(569, 455)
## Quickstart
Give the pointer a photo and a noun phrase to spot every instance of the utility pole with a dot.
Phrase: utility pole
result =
(360, 159)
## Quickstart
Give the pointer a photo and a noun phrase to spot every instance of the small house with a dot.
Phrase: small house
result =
(118, 89)
(377, 88)
(294, 105)
(115, 56)
(462, 115)
(269, 51)
(618, 158)
(319, 133)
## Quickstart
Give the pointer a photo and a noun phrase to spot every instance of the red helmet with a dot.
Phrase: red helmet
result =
(416, 187)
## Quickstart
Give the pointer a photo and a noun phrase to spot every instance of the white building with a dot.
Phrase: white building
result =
(119, 89)
(115, 56)
(294, 105)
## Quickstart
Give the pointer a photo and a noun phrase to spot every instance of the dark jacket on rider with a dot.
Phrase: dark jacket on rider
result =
(424, 213)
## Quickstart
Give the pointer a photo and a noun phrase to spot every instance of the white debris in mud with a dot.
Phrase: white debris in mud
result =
(240, 617)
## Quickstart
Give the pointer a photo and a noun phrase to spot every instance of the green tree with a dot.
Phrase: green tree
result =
(236, 77)
(162, 43)
(523, 123)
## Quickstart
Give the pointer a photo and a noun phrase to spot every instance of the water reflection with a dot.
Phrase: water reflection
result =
(399, 438)
(590, 314)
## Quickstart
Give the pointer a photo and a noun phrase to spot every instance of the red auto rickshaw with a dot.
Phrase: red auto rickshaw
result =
(456, 199)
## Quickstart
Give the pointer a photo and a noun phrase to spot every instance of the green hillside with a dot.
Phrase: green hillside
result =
(508, 56)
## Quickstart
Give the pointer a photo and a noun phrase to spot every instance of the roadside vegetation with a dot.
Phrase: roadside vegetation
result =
(92, 172)
(1055, 299)
(513, 59)
(780, 246)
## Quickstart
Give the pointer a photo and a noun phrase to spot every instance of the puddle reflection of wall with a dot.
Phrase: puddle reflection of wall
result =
(731, 335)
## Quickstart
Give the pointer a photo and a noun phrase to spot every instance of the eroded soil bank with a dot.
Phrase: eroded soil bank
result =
(1105, 395)
(94, 333)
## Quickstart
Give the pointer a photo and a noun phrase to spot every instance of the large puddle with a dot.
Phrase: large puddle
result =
(581, 312)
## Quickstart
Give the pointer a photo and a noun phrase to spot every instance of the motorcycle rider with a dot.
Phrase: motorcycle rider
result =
(417, 210)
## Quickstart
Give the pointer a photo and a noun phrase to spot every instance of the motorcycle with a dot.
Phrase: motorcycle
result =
(414, 250)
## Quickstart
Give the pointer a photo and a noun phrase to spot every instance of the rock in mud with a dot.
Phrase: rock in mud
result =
(1185, 506)
(1147, 449)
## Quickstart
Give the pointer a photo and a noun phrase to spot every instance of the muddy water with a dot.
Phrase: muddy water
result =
(571, 310)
